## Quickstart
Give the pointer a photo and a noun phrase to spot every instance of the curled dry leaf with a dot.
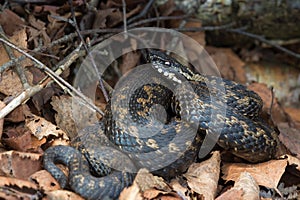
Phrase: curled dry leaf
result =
(145, 180)
(45, 181)
(203, 177)
(294, 161)
(248, 185)
(147, 186)
(72, 115)
(43, 128)
(19, 164)
(232, 194)
(266, 174)
(182, 191)
(131, 193)
(63, 194)
(245, 188)
(290, 137)
(20, 139)
(12, 188)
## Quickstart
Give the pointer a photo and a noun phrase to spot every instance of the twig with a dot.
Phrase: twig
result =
(53, 75)
(264, 40)
(74, 23)
(124, 16)
(21, 58)
(155, 19)
(143, 13)
(205, 28)
(272, 101)
(19, 69)
(29, 92)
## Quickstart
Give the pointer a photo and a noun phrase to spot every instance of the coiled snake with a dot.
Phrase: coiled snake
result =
(192, 111)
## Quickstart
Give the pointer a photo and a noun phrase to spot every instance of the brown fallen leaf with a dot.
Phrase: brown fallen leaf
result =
(294, 161)
(290, 137)
(71, 116)
(63, 194)
(17, 115)
(45, 181)
(266, 174)
(282, 77)
(278, 113)
(248, 185)
(131, 193)
(294, 114)
(158, 194)
(229, 64)
(129, 61)
(18, 138)
(19, 164)
(145, 180)
(232, 194)
(43, 128)
(11, 22)
(203, 177)
(182, 191)
(12, 188)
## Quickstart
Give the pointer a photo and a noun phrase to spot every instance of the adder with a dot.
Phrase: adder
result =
(134, 133)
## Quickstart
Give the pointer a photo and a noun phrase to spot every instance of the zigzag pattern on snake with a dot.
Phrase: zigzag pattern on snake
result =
(189, 116)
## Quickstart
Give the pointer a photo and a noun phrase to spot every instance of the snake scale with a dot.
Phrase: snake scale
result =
(175, 136)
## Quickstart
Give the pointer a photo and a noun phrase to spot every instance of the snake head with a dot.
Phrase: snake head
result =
(169, 66)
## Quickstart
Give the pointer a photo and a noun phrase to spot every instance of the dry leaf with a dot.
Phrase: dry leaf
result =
(266, 174)
(10, 22)
(283, 78)
(129, 61)
(294, 161)
(145, 180)
(182, 191)
(294, 114)
(45, 181)
(232, 194)
(12, 188)
(229, 64)
(63, 194)
(290, 137)
(10, 83)
(248, 185)
(43, 128)
(203, 177)
(71, 115)
(278, 114)
(18, 138)
(131, 193)
(19, 164)
(17, 115)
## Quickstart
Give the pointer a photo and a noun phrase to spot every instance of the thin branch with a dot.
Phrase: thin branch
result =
(264, 40)
(124, 15)
(19, 69)
(143, 13)
(74, 23)
(53, 75)
(155, 19)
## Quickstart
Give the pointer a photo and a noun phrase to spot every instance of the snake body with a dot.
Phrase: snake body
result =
(188, 119)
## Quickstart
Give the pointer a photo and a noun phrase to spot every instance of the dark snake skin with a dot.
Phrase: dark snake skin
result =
(189, 117)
